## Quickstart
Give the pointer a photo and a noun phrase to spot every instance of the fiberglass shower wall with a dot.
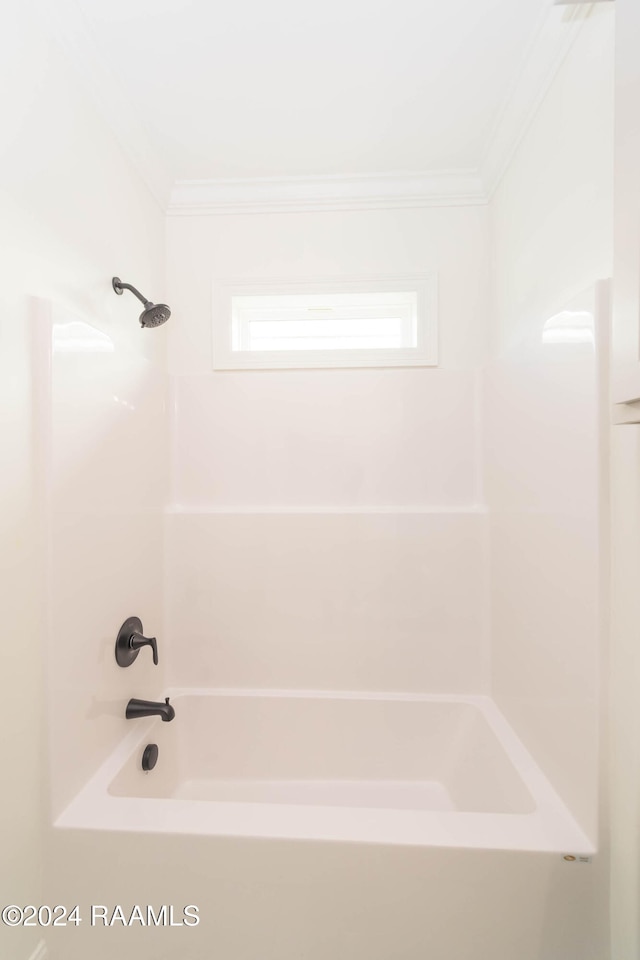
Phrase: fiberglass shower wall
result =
(326, 527)
(545, 422)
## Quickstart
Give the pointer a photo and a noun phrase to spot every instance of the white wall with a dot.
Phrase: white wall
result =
(625, 487)
(340, 505)
(20, 652)
(72, 213)
(552, 238)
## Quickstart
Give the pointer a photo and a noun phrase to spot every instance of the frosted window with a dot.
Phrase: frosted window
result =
(362, 327)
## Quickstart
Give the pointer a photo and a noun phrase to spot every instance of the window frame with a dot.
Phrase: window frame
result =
(424, 354)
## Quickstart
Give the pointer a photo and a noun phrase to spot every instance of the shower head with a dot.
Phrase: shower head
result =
(154, 314)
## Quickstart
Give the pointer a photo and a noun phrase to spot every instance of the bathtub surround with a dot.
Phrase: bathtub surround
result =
(422, 544)
(336, 447)
(103, 513)
(330, 601)
(343, 503)
(545, 426)
(552, 223)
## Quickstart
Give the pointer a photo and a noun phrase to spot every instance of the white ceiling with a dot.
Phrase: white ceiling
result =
(288, 88)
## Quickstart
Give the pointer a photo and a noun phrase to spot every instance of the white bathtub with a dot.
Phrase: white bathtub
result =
(388, 768)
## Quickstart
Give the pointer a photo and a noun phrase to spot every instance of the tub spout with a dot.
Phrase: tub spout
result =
(149, 708)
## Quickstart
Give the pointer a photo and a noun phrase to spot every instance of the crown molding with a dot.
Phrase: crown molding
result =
(557, 31)
(555, 36)
(300, 194)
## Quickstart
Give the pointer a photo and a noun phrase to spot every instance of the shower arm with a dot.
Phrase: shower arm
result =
(119, 286)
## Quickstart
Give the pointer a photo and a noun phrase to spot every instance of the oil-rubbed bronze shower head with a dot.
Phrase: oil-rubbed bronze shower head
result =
(154, 314)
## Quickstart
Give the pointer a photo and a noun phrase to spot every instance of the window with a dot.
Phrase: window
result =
(370, 323)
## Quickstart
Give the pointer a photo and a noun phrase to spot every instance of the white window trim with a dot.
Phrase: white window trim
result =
(425, 354)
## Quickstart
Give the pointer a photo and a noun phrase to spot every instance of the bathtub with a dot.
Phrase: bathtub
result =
(385, 768)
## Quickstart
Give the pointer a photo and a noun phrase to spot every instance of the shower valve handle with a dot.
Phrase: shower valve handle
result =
(130, 640)
(137, 641)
